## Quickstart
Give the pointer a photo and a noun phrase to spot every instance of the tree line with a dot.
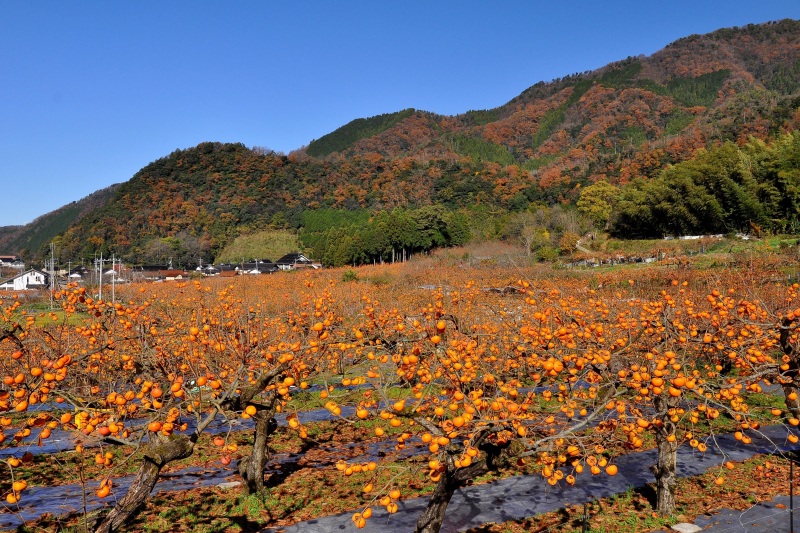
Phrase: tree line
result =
(754, 188)
(336, 238)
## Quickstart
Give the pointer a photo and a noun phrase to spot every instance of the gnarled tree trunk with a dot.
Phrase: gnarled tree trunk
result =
(160, 451)
(665, 469)
(430, 521)
(665, 472)
(251, 468)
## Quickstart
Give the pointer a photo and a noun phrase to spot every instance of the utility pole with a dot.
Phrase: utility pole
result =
(52, 274)
(114, 279)
(100, 296)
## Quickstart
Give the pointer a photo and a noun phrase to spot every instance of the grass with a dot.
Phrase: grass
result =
(707, 245)
(309, 487)
(653, 246)
(45, 315)
(268, 244)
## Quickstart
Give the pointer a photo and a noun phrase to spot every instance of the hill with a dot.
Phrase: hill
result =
(627, 119)
(620, 124)
(28, 240)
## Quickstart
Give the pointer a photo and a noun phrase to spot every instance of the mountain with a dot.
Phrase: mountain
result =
(33, 237)
(621, 123)
(629, 118)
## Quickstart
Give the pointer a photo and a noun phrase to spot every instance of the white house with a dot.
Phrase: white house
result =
(28, 280)
(11, 261)
(296, 260)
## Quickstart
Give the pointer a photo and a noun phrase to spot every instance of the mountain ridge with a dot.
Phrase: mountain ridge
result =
(627, 120)
(39, 232)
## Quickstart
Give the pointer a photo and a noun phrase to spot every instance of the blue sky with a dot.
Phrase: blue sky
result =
(93, 91)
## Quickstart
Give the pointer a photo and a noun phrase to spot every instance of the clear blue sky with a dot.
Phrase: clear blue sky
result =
(92, 91)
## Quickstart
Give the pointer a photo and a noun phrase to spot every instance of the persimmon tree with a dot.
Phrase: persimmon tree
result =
(155, 372)
(479, 392)
(569, 374)
(689, 356)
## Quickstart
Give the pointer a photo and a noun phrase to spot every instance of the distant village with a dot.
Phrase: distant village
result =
(17, 277)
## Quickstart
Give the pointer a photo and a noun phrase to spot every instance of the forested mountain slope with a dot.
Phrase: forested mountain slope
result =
(627, 119)
(621, 124)
(35, 236)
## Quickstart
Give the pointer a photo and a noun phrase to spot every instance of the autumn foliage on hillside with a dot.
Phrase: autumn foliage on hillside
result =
(621, 124)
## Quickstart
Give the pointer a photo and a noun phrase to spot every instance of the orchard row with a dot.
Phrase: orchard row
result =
(552, 371)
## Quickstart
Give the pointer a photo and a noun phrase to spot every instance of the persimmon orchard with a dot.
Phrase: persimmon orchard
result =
(486, 372)
(155, 372)
(572, 372)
